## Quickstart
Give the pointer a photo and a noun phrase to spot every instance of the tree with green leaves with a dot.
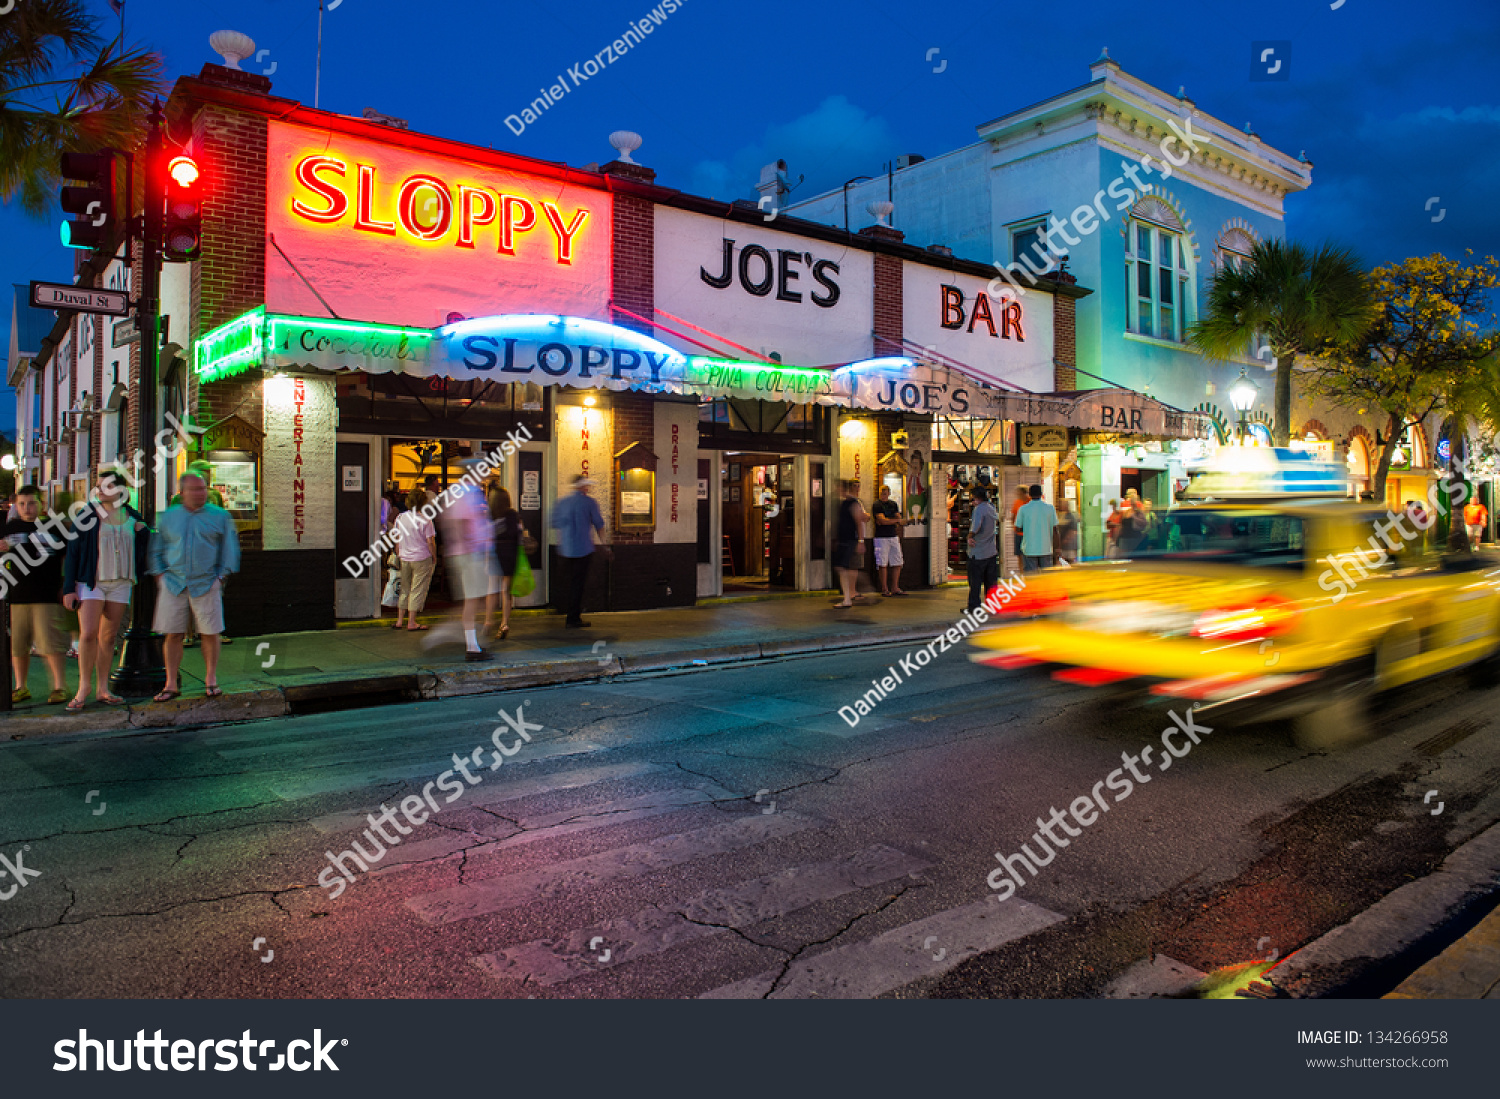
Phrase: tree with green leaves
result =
(1433, 346)
(1293, 297)
(65, 89)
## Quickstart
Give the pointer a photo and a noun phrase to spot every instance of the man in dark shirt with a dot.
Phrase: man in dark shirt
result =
(32, 564)
(888, 559)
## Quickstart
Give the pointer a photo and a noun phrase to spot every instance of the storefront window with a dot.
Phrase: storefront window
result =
(402, 404)
(780, 425)
(974, 436)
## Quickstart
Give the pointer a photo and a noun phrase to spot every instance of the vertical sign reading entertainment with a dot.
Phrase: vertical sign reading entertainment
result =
(299, 477)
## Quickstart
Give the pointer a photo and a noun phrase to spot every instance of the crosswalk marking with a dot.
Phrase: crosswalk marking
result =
(336, 780)
(484, 897)
(923, 948)
(495, 790)
(657, 929)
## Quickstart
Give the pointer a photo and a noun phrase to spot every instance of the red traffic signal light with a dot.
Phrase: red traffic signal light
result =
(183, 170)
(182, 236)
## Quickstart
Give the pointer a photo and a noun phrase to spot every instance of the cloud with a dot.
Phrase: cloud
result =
(829, 144)
(1373, 183)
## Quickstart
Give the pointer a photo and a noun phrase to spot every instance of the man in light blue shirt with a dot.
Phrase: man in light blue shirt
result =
(575, 518)
(1037, 522)
(194, 547)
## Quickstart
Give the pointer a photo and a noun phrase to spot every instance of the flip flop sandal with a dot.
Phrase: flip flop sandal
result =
(111, 700)
(212, 692)
(76, 706)
(167, 696)
(415, 629)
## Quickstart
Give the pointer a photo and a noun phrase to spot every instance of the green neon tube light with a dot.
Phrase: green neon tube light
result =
(232, 348)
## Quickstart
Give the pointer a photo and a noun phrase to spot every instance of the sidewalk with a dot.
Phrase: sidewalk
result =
(278, 674)
(1467, 970)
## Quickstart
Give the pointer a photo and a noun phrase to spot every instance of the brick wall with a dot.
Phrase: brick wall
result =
(634, 260)
(888, 321)
(1065, 343)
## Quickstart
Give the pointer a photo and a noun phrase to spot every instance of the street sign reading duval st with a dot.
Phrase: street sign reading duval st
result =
(83, 299)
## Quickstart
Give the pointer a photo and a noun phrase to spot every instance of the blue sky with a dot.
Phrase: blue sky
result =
(1395, 104)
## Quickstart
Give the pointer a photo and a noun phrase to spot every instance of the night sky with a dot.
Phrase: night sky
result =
(1395, 104)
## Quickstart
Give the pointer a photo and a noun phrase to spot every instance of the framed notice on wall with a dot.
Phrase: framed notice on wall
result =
(635, 500)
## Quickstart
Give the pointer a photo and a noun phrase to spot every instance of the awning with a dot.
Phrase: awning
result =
(546, 349)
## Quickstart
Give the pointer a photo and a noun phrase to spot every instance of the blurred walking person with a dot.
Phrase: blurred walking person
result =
(576, 517)
(468, 543)
(194, 548)
(100, 571)
(416, 552)
(849, 542)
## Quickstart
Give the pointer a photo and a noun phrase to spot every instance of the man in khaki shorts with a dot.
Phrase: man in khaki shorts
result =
(195, 546)
(32, 571)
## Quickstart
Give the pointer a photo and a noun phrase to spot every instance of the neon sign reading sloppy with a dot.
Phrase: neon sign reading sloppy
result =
(427, 208)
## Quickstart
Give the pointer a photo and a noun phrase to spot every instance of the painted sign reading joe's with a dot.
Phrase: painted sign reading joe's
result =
(398, 235)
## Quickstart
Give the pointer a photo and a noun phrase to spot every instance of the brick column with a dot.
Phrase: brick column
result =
(888, 322)
(633, 284)
(634, 422)
(1064, 344)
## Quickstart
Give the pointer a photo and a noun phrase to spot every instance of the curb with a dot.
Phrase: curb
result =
(1385, 942)
(428, 683)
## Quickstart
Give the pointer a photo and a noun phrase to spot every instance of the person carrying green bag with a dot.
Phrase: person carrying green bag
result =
(510, 541)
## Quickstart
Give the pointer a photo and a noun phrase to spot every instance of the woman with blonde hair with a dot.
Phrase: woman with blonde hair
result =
(416, 550)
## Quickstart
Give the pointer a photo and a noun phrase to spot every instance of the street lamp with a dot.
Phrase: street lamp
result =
(1242, 395)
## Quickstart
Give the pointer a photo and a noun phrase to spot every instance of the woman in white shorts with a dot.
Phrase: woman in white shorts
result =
(99, 574)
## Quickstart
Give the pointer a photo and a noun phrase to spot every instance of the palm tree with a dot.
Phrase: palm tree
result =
(1294, 298)
(63, 89)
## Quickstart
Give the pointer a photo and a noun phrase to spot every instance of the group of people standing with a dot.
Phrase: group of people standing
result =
(484, 543)
(482, 539)
(1130, 523)
(93, 560)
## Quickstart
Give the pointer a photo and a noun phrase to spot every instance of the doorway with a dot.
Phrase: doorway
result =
(758, 499)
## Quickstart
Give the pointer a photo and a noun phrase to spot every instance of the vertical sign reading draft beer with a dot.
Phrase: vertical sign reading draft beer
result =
(299, 478)
(676, 447)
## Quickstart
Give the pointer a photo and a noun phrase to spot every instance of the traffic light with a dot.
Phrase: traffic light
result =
(182, 236)
(94, 203)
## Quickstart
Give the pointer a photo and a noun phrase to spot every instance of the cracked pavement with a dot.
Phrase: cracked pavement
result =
(631, 819)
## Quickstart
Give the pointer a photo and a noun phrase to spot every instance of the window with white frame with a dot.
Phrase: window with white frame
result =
(1235, 247)
(1157, 272)
(1031, 247)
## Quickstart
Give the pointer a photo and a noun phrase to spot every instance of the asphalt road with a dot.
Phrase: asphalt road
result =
(718, 833)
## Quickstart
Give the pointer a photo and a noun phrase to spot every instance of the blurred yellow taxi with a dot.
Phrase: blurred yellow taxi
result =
(1268, 596)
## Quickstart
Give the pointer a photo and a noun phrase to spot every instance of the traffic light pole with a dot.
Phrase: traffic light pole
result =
(141, 671)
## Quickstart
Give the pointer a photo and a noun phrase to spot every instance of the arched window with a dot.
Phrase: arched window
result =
(1235, 247)
(1157, 271)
